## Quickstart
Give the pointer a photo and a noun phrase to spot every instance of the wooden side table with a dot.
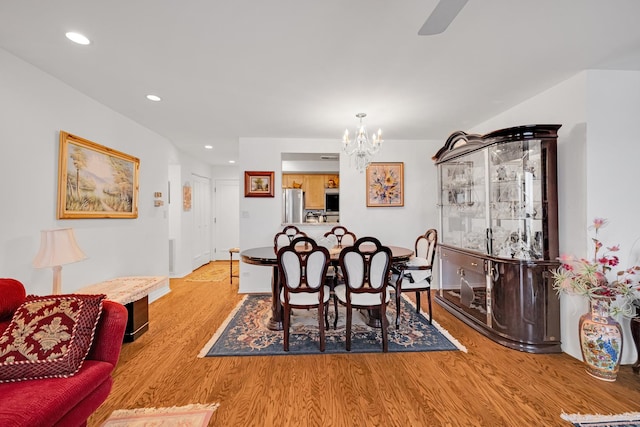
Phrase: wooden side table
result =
(231, 275)
(133, 293)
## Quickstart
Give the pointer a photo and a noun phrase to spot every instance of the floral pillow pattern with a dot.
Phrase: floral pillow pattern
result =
(49, 336)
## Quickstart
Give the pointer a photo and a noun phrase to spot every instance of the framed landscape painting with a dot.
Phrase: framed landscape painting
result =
(385, 184)
(258, 184)
(95, 181)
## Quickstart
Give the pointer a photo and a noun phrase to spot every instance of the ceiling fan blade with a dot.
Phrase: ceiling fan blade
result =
(444, 13)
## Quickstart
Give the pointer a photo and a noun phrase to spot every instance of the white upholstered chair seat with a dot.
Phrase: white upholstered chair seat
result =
(416, 261)
(340, 292)
(306, 298)
(417, 284)
(417, 276)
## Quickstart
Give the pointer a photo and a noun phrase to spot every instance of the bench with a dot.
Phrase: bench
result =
(133, 293)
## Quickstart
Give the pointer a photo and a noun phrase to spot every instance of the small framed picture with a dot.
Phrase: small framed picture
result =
(385, 184)
(258, 184)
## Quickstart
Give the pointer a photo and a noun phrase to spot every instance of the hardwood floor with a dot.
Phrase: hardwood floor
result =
(488, 386)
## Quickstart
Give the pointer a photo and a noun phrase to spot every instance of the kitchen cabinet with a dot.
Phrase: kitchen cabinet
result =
(289, 179)
(313, 186)
(498, 219)
(331, 181)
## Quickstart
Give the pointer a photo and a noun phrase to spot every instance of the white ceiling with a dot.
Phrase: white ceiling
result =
(301, 68)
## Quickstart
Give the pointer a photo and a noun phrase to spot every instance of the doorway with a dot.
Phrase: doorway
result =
(201, 203)
(227, 222)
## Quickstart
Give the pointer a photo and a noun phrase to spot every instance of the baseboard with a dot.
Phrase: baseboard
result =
(159, 293)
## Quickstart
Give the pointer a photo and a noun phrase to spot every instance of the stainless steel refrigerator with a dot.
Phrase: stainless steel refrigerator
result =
(292, 205)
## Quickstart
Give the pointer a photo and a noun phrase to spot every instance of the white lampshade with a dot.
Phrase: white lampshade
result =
(57, 248)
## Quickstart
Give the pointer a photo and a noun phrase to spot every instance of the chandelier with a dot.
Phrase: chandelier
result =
(361, 148)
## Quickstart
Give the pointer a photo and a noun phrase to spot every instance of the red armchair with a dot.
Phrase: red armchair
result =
(62, 401)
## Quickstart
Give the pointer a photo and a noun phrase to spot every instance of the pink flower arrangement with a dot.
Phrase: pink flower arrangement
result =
(579, 276)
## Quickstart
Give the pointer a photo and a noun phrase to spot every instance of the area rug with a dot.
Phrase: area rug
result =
(245, 332)
(629, 419)
(196, 415)
(215, 271)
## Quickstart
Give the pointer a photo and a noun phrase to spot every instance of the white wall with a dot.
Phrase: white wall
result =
(597, 162)
(180, 221)
(182, 227)
(613, 150)
(34, 107)
(260, 218)
(328, 166)
(225, 172)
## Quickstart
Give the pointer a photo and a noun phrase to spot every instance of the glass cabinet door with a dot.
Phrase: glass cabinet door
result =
(516, 209)
(463, 202)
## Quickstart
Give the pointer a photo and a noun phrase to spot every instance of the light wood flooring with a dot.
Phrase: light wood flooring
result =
(488, 386)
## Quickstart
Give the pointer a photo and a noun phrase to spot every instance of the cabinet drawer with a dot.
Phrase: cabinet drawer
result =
(467, 262)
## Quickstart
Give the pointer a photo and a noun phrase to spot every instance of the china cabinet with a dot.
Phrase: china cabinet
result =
(499, 234)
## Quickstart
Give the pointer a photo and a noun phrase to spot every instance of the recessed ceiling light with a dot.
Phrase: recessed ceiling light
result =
(232, 161)
(209, 147)
(77, 38)
(154, 98)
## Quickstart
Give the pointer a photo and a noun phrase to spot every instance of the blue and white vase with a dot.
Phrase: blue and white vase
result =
(600, 341)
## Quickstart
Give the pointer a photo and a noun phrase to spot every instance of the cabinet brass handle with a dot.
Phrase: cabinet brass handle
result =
(474, 264)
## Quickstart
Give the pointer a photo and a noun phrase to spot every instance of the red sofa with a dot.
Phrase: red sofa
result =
(64, 402)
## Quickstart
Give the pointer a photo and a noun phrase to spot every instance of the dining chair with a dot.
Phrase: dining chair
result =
(286, 236)
(415, 274)
(342, 235)
(366, 266)
(303, 267)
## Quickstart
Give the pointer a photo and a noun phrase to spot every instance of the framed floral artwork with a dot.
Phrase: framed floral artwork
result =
(186, 197)
(95, 181)
(258, 184)
(385, 184)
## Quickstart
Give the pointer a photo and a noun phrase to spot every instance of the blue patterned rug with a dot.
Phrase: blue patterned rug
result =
(630, 419)
(245, 332)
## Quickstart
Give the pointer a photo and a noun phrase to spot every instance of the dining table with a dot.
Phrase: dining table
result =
(267, 256)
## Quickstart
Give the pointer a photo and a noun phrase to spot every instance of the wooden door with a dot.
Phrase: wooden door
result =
(201, 203)
(227, 219)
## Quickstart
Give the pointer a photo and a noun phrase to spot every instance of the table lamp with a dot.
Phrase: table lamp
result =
(57, 248)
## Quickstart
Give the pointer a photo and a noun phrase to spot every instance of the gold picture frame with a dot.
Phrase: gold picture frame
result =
(258, 184)
(95, 181)
(385, 184)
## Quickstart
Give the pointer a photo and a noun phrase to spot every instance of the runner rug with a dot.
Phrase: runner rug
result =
(215, 271)
(630, 419)
(245, 333)
(196, 415)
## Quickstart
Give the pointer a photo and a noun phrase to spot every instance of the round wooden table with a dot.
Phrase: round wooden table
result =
(266, 256)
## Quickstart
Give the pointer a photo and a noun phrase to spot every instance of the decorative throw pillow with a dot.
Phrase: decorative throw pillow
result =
(49, 336)
(13, 294)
